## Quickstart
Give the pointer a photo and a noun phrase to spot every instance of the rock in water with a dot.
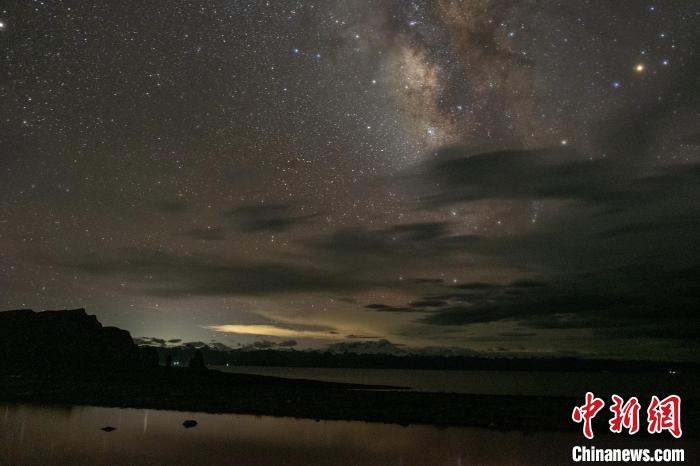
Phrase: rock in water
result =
(189, 423)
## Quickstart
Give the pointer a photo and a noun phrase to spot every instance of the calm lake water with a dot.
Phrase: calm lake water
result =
(36, 435)
(491, 382)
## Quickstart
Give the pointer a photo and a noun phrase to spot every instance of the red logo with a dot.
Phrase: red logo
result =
(661, 415)
(665, 415)
(625, 415)
(587, 412)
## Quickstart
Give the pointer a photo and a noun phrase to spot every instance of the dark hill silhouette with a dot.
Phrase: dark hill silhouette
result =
(66, 340)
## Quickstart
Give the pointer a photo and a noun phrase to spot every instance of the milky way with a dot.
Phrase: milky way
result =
(502, 176)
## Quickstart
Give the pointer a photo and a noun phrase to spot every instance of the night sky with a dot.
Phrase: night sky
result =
(508, 177)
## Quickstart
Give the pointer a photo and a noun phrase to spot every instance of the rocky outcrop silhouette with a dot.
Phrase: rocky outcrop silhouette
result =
(66, 340)
(197, 361)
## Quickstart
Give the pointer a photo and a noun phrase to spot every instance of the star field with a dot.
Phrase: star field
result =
(286, 164)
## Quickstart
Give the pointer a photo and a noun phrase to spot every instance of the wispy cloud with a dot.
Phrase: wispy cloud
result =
(274, 331)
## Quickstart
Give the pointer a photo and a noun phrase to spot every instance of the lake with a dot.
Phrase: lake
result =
(37, 435)
(491, 382)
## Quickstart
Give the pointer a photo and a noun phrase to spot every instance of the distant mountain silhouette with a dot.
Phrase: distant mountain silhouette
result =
(385, 355)
(66, 340)
(381, 346)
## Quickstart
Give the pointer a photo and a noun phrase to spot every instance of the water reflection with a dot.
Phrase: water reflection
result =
(49, 435)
